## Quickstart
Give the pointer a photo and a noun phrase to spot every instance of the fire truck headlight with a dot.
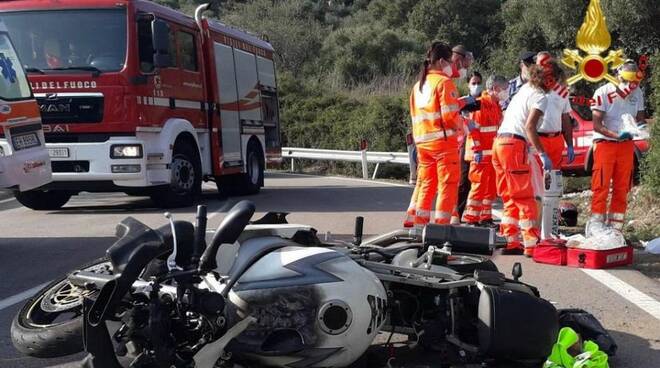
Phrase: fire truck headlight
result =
(126, 151)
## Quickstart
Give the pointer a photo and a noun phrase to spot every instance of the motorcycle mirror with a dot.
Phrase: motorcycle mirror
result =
(171, 260)
(517, 271)
(357, 235)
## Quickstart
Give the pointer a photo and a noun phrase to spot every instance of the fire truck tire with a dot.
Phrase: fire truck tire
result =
(43, 200)
(251, 181)
(186, 181)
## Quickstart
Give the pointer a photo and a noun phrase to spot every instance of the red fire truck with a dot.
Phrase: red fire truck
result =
(140, 98)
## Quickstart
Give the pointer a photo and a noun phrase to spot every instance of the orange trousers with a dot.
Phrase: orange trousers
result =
(513, 181)
(613, 164)
(437, 172)
(554, 147)
(482, 192)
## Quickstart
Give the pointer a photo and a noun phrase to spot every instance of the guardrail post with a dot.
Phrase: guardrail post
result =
(365, 167)
(293, 165)
(373, 177)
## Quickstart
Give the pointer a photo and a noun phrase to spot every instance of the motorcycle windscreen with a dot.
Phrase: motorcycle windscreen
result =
(477, 240)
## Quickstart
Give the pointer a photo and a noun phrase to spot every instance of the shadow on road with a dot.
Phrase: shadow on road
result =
(634, 351)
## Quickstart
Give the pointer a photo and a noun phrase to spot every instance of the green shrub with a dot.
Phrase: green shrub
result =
(651, 164)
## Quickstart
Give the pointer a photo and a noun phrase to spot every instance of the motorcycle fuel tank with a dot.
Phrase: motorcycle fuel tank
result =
(314, 306)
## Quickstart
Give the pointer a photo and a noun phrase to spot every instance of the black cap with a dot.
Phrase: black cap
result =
(527, 57)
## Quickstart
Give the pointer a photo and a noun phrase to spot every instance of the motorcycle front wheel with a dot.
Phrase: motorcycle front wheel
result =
(50, 324)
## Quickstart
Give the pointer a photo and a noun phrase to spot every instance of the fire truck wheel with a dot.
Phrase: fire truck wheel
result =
(251, 181)
(186, 181)
(43, 200)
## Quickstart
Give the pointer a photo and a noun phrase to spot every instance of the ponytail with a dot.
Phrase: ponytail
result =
(423, 73)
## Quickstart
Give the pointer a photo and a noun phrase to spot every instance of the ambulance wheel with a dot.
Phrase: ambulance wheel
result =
(185, 181)
(43, 200)
(251, 181)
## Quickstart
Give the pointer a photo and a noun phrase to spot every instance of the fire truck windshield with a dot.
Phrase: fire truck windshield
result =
(90, 39)
(13, 84)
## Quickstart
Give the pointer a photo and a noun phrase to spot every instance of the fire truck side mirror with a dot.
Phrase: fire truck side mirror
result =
(160, 33)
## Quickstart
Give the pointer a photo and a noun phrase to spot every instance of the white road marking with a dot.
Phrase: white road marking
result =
(627, 291)
(8, 200)
(14, 299)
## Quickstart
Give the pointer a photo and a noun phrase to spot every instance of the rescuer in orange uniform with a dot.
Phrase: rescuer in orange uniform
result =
(482, 174)
(555, 129)
(434, 109)
(513, 165)
(613, 146)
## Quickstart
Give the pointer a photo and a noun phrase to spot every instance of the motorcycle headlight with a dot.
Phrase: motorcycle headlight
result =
(126, 151)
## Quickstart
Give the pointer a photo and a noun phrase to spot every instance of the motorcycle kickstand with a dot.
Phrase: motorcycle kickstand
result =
(210, 353)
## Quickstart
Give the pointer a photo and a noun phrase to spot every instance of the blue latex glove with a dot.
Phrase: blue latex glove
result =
(570, 152)
(472, 125)
(625, 136)
(468, 100)
(478, 156)
(547, 164)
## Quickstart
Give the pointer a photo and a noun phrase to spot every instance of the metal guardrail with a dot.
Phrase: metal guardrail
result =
(365, 157)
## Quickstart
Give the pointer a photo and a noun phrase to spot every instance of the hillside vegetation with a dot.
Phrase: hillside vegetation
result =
(345, 67)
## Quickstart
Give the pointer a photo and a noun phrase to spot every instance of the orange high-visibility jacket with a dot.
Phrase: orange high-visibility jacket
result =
(489, 117)
(435, 111)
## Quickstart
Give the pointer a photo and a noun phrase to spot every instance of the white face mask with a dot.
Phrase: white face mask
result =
(503, 95)
(475, 89)
(447, 70)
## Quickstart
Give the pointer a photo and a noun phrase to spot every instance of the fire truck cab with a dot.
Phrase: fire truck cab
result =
(140, 98)
(24, 162)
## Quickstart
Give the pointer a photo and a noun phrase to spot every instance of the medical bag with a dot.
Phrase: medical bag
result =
(551, 251)
(588, 258)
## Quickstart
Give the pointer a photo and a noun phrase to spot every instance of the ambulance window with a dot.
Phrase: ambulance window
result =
(146, 47)
(188, 51)
(13, 83)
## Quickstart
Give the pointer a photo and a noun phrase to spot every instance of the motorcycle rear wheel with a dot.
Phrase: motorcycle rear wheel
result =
(50, 324)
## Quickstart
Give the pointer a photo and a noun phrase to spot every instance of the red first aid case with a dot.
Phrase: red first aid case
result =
(551, 251)
(587, 258)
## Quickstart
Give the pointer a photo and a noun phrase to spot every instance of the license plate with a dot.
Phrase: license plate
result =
(58, 152)
(25, 141)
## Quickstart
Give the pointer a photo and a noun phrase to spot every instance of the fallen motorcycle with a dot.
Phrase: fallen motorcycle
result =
(274, 294)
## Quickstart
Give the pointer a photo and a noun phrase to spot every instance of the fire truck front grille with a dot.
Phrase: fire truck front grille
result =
(69, 109)
(70, 166)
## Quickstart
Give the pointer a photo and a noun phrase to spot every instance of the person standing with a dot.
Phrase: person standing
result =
(555, 129)
(613, 150)
(513, 166)
(475, 84)
(481, 172)
(434, 109)
(526, 60)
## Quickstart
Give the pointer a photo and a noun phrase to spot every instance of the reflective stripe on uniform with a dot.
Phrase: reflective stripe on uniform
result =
(527, 224)
(449, 108)
(487, 202)
(487, 152)
(469, 212)
(597, 217)
(421, 116)
(488, 129)
(472, 202)
(486, 212)
(509, 220)
(434, 136)
(530, 242)
(442, 215)
(423, 213)
(616, 217)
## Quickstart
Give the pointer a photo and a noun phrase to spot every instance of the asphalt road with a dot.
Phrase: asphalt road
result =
(36, 247)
